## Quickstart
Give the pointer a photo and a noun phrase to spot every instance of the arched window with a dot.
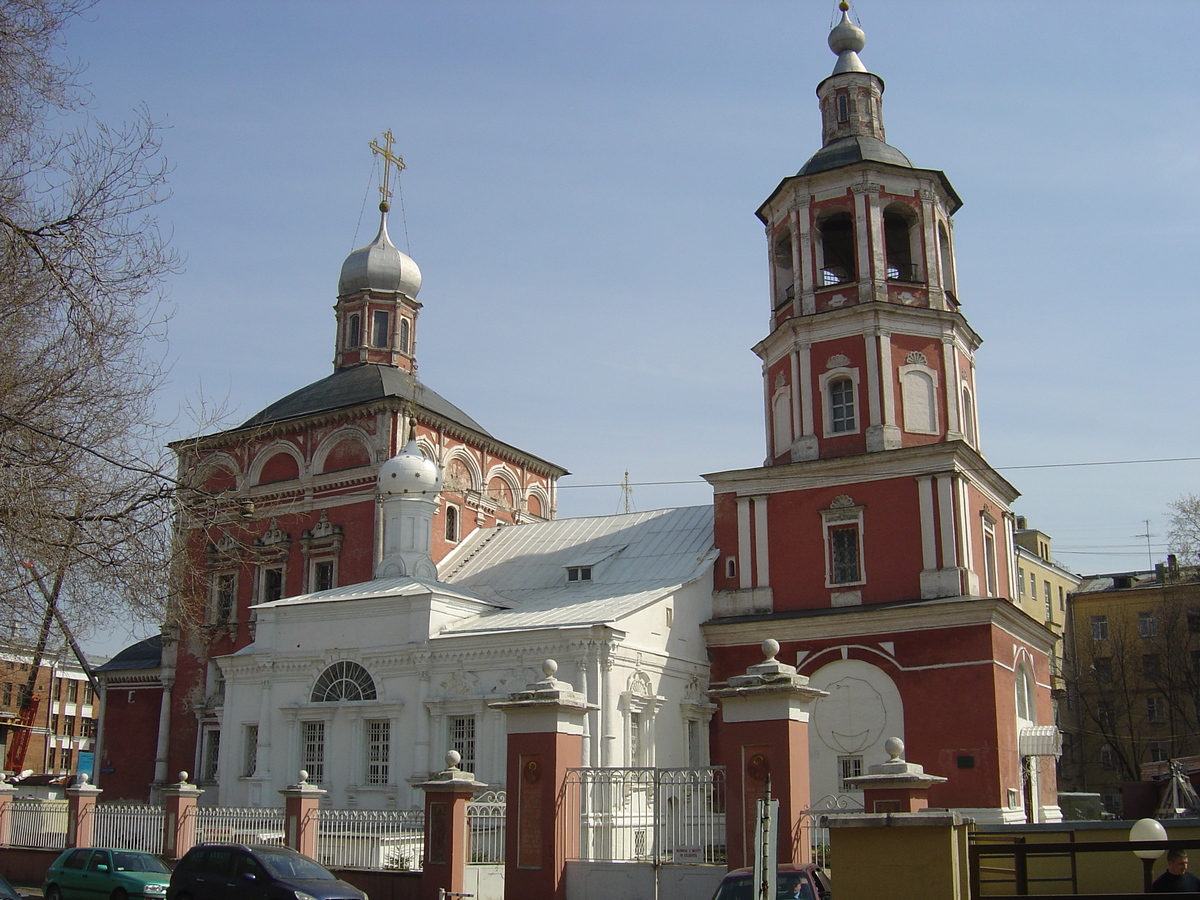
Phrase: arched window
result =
(785, 279)
(920, 401)
(946, 258)
(404, 334)
(1026, 704)
(837, 250)
(353, 332)
(452, 523)
(897, 240)
(968, 416)
(380, 329)
(841, 406)
(343, 681)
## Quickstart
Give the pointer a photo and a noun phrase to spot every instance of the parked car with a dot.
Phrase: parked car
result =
(258, 872)
(806, 882)
(8, 892)
(97, 873)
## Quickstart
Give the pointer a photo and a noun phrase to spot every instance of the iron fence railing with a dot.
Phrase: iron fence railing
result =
(485, 822)
(38, 823)
(654, 815)
(128, 827)
(371, 838)
(242, 825)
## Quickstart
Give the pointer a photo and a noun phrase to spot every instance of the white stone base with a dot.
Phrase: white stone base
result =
(937, 583)
(988, 815)
(883, 437)
(805, 448)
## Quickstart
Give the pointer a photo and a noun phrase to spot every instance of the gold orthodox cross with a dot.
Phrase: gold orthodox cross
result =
(389, 159)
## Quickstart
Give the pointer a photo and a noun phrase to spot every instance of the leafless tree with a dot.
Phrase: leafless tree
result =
(84, 483)
(1183, 539)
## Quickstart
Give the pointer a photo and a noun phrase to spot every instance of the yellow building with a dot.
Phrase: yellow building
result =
(1042, 590)
(1133, 674)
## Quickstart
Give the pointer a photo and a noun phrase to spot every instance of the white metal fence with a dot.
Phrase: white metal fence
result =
(38, 823)
(128, 827)
(371, 838)
(242, 825)
(644, 814)
(485, 822)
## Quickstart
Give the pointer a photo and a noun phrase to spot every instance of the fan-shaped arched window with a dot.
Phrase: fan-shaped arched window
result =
(344, 681)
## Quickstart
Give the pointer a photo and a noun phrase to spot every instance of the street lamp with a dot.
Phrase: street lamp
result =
(1148, 830)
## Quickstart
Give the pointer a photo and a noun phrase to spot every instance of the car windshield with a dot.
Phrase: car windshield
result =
(139, 862)
(787, 884)
(288, 865)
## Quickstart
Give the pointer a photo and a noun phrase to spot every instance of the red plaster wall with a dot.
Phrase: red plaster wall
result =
(126, 766)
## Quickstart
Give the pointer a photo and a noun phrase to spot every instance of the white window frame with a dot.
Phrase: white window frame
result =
(849, 766)
(312, 749)
(210, 753)
(214, 605)
(261, 577)
(843, 516)
(825, 379)
(377, 746)
(249, 750)
(461, 736)
(332, 562)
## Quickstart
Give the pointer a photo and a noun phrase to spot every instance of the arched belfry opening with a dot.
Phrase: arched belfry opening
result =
(900, 236)
(837, 249)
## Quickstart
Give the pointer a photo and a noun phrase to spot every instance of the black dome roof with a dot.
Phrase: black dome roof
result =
(856, 148)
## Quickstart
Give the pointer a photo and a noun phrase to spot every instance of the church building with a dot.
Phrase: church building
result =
(370, 568)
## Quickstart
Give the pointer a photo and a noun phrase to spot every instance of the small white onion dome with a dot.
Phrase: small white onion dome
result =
(379, 266)
(846, 40)
(410, 472)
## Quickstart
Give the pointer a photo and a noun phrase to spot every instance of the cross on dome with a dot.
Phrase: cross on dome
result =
(389, 159)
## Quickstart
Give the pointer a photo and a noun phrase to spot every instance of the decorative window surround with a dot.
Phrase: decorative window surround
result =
(826, 381)
(844, 517)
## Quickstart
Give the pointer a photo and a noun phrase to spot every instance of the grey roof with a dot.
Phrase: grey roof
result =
(392, 586)
(636, 559)
(856, 148)
(361, 384)
(145, 654)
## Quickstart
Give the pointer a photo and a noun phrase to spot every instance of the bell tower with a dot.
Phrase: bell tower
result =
(868, 350)
(377, 303)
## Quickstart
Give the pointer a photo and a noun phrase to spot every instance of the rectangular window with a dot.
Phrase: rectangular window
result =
(1033, 585)
(250, 751)
(1099, 628)
(1102, 667)
(379, 745)
(58, 689)
(312, 751)
(381, 328)
(224, 596)
(67, 760)
(1150, 665)
(579, 573)
(211, 755)
(849, 767)
(1108, 757)
(50, 763)
(1147, 624)
(843, 546)
(1193, 620)
(1062, 599)
(1106, 715)
(989, 563)
(322, 575)
(1020, 582)
(1049, 600)
(841, 406)
(69, 727)
(6, 694)
(462, 739)
(1159, 751)
(1156, 710)
(272, 583)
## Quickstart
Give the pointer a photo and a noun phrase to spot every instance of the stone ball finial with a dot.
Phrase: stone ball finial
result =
(846, 35)
(453, 758)
(549, 667)
(303, 776)
(84, 778)
(770, 647)
(183, 777)
(894, 747)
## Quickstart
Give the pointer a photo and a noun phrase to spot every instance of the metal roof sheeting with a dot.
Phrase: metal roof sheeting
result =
(641, 556)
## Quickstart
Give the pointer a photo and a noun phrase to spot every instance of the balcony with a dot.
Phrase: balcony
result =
(907, 272)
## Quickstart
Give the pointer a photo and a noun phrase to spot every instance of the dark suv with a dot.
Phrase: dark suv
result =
(258, 872)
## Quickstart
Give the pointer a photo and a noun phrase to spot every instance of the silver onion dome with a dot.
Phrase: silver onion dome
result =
(846, 40)
(379, 266)
(410, 472)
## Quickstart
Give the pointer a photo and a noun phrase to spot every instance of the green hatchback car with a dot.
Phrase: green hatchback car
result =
(92, 873)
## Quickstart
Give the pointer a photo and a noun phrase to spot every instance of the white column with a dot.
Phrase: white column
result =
(928, 532)
(607, 712)
(945, 490)
(581, 685)
(743, 527)
(954, 424)
(886, 378)
(873, 399)
(762, 572)
(422, 757)
(806, 389)
(797, 398)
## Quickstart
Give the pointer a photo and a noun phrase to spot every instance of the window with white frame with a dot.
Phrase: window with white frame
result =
(353, 332)
(1160, 751)
(843, 542)
(462, 740)
(379, 745)
(381, 328)
(1147, 624)
(968, 416)
(989, 558)
(918, 391)
(1049, 598)
(249, 751)
(1099, 628)
(344, 680)
(405, 330)
(1108, 757)
(210, 754)
(1020, 581)
(270, 583)
(695, 747)
(637, 739)
(323, 577)
(842, 418)
(312, 750)
(453, 528)
(1156, 709)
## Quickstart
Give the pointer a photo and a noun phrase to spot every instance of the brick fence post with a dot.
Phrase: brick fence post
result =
(7, 791)
(81, 807)
(179, 822)
(447, 839)
(300, 803)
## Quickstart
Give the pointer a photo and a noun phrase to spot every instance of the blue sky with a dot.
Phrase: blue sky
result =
(580, 194)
